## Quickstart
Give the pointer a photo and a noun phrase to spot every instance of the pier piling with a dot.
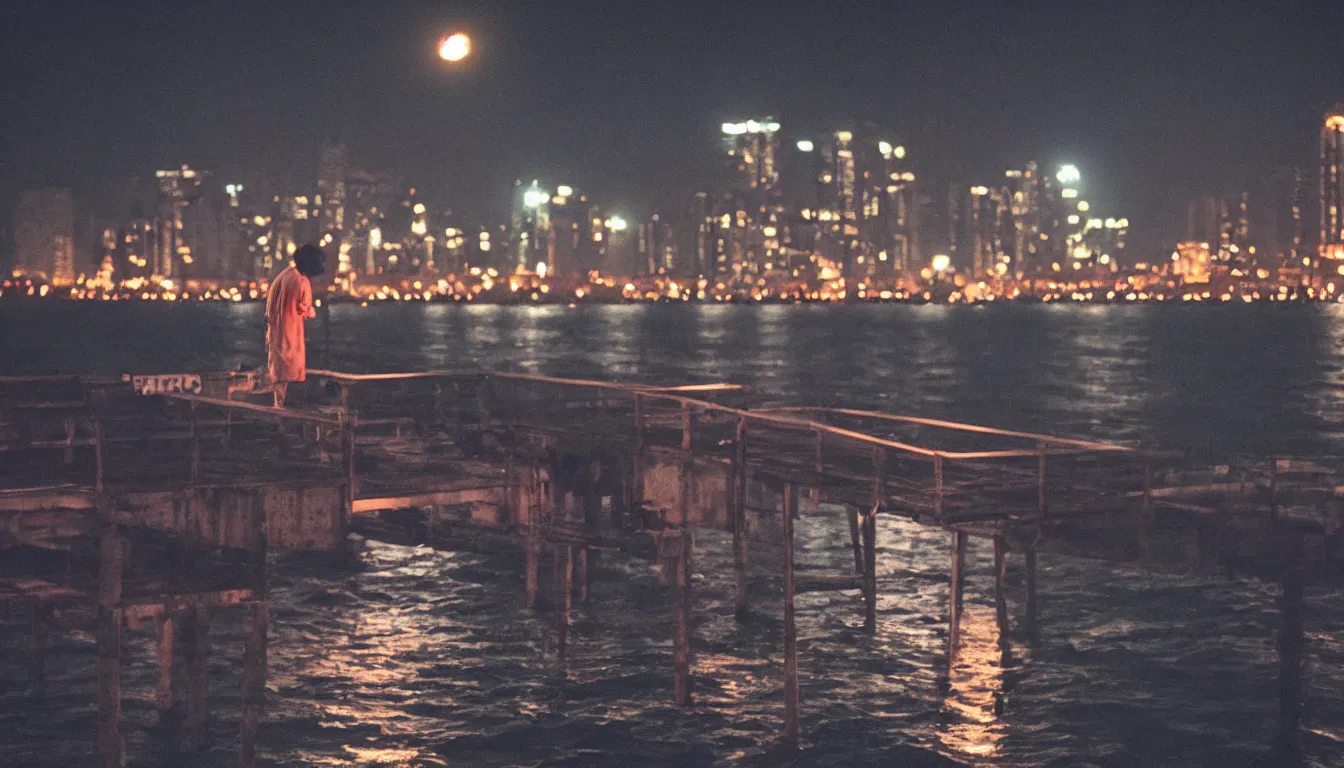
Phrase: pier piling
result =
(1000, 591)
(110, 551)
(737, 492)
(954, 597)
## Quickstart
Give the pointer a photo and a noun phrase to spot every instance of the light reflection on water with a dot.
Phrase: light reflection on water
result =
(427, 658)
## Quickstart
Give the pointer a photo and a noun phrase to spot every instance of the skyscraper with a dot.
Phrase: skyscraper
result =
(44, 235)
(530, 226)
(1332, 184)
(177, 189)
(869, 203)
(331, 170)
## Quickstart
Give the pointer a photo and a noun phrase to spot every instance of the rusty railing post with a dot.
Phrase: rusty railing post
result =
(1042, 506)
(870, 540)
(938, 487)
(687, 426)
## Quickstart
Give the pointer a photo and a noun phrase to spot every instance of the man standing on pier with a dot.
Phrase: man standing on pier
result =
(288, 303)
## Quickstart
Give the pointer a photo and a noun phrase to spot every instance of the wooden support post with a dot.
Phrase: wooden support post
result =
(1292, 652)
(195, 445)
(738, 494)
(1030, 562)
(163, 690)
(791, 728)
(870, 540)
(819, 466)
(954, 598)
(98, 449)
(348, 459)
(110, 746)
(681, 637)
(938, 487)
(1042, 506)
(254, 680)
(687, 426)
(565, 604)
(197, 653)
(855, 542)
(42, 615)
(639, 422)
(1000, 591)
(533, 559)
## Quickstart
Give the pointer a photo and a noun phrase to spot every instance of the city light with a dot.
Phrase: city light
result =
(885, 148)
(617, 224)
(535, 197)
(805, 145)
(455, 47)
(940, 262)
(564, 190)
(899, 152)
(1068, 174)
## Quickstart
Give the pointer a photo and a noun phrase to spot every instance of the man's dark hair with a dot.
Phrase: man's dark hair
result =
(310, 260)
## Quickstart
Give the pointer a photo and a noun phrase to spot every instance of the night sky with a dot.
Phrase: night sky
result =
(1155, 102)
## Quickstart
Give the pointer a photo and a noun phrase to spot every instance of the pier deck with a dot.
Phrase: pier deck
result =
(164, 506)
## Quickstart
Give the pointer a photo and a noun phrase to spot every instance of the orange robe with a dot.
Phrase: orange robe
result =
(288, 302)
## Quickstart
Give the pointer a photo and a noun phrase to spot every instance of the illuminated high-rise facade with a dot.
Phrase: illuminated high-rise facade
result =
(44, 235)
(177, 189)
(753, 202)
(330, 198)
(1332, 185)
(869, 207)
(530, 227)
(369, 199)
(572, 251)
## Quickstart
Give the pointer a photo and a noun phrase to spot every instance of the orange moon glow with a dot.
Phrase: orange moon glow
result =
(455, 47)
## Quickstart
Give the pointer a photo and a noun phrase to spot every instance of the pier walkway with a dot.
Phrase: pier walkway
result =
(155, 500)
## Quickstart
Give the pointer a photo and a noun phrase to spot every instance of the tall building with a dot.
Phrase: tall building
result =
(754, 199)
(1332, 184)
(369, 198)
(44, 235)
(330, 198)
(869, 203)
(572, 248)
(657, 248)
(530, 227)
(177, 189)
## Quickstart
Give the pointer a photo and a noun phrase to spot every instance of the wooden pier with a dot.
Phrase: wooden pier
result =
(158, 511)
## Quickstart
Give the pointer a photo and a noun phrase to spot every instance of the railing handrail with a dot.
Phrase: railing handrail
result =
(284, 414)
(1090, 445)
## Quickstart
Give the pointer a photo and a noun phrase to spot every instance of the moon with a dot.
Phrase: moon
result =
(455, 47)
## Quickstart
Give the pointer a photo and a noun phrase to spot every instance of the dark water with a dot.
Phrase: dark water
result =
(427, 658)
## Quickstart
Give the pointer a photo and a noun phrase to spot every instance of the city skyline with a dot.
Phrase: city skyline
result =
(624, 105)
